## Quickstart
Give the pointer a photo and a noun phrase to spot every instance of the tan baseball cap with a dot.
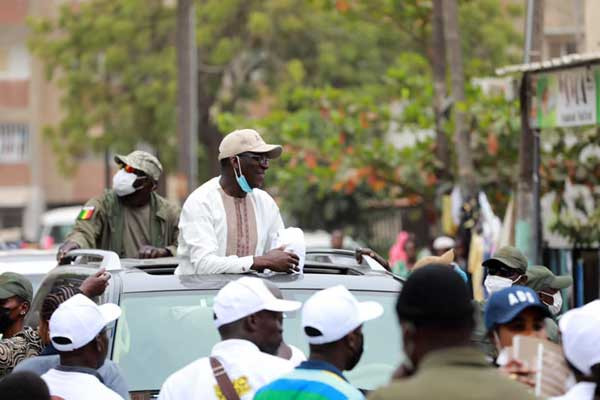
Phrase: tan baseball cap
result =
(142, 161)
(243, 140)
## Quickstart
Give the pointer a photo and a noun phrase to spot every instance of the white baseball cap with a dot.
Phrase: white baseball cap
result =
(335, 312)
(244, 140)
(247, 296)
(580, 329)
(79, 320)
(443, 243)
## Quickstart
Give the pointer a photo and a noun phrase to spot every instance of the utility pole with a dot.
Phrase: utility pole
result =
(187, 97)
(462, 137)
(527, 227)
(438, 61)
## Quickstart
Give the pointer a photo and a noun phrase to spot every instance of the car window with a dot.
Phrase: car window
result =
(161, 332)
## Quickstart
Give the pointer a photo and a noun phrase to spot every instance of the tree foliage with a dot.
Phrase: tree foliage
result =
(333, 80)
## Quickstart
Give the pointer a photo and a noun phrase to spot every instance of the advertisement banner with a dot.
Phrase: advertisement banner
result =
(565, 98)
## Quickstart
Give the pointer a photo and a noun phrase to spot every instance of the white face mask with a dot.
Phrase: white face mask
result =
(123, 183)
(503, 352)
(495, 283)
(556, 303)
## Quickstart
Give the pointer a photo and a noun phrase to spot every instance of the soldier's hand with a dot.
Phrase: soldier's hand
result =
(277, 260)
(153, 252)
(63, 250)
(95, 285)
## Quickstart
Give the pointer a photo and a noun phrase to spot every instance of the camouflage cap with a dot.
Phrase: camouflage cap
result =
(142, 161)
(13, 284)
(509, 256)
(540, 278)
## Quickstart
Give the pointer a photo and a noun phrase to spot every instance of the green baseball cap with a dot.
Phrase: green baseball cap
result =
(13, 284)
(540, 277)
(509, 256)
(142, 161)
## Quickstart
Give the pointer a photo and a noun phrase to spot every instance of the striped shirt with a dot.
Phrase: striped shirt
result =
(311, 380)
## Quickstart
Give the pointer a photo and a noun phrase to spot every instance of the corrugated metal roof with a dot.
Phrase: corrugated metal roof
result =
(565, 61)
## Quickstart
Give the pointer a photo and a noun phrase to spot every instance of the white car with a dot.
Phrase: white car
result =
(56, 225)
(34, 264)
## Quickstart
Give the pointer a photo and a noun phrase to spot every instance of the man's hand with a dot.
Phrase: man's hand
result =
(63, 250)
(153, 252)
(277, 260)
(516, 370)
(360, 252)
(95, 285)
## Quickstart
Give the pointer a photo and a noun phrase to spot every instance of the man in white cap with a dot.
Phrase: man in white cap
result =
(77, 331)
(229, 225)
(580, 329)
(332, 320)
(249, 319)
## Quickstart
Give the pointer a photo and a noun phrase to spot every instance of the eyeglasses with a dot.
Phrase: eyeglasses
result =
(259, 158)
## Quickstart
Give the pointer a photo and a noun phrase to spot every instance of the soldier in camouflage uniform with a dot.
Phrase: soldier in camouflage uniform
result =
(130, 219)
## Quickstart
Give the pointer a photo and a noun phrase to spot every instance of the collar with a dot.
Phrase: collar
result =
(322, 365)
(49, 350)
(462, 356)
(230, 346)
(83, 370)
(582, 390)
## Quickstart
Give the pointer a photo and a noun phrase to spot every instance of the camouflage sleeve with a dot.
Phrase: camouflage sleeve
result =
(88, 226)
(15, 349)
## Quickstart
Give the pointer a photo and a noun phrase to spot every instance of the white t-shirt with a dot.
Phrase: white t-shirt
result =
(203, 231)
(71, 385)
(581, 391)
(248, 369)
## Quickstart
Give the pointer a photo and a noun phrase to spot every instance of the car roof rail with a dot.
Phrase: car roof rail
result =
(110, 259)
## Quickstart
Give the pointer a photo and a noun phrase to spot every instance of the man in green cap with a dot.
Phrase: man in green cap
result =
(548, 287)
(130, 219)
(18, 341)
(506, 268)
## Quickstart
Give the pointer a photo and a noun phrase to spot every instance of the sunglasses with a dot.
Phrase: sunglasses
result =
(260, 158)
(501, 270)
(131, 170)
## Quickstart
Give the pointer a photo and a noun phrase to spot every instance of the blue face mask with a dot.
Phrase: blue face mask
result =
(241, 179)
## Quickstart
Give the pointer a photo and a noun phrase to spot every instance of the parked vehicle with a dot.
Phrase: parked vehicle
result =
(32, 263)
(56, 225)
(167, 320)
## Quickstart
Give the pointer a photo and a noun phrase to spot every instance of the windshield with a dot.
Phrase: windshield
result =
(160, 332)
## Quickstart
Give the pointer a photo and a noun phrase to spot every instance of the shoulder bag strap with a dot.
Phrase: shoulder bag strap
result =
(223, 380)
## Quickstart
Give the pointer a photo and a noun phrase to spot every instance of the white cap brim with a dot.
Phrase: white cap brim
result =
(280, 305)
(110, 312)
(368, 310)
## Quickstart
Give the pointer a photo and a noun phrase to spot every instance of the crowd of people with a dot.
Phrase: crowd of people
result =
(65, 357)
(454, 346)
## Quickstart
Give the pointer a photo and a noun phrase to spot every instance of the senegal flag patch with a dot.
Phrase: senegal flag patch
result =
(86, 213)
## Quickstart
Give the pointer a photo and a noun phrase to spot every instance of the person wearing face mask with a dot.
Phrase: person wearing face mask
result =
(516, 310)
(436, 318)
(548, 287)
(507, 267)
(130, 219)
(78, 332)
(332, 320)
(229, 224)
(18, 341)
